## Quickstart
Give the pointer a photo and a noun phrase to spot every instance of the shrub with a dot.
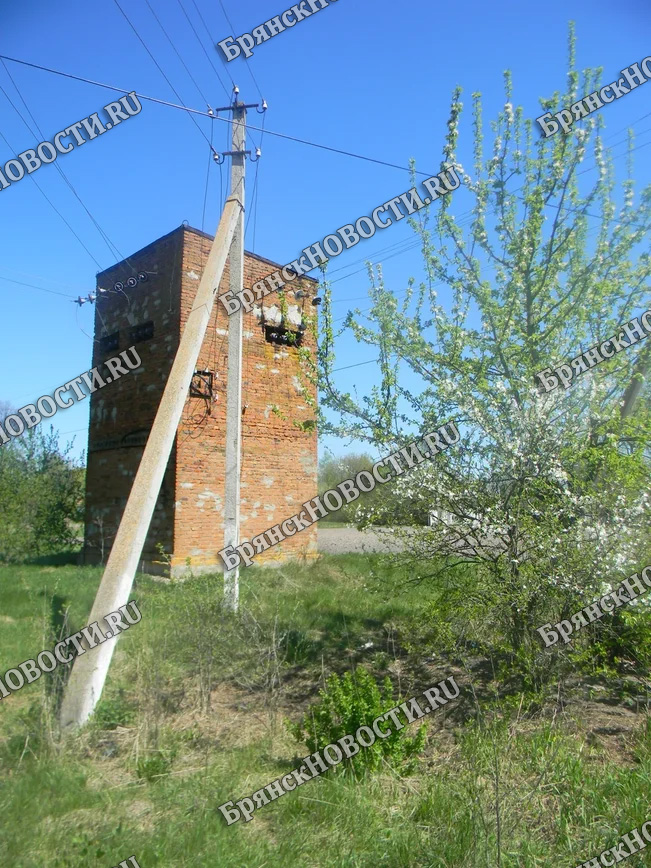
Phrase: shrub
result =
(348, 703)
(111, 713)
(155, 765)
(41, 497)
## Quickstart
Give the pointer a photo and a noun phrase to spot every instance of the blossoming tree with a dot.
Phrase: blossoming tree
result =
(547, 492)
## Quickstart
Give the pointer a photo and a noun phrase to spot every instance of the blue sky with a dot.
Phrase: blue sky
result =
(373, 78)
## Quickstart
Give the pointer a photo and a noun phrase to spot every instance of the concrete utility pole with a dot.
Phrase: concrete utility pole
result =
(234, 379)
(90, 670)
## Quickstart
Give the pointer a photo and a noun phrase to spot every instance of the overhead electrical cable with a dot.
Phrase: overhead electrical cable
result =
(192, 111)
(206, 53)
(159, 68)
(248, 65)
(175, 50)
(53, 206)
(114, 251)
(212, 42)
(33, 286)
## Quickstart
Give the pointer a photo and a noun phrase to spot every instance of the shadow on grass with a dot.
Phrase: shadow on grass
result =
(56, 679)
(57, 559)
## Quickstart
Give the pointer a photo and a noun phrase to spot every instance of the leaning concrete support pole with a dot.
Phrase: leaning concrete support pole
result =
(90, 669)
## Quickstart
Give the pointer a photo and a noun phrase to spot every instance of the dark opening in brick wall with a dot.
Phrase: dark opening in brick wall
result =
(142, 332)
(285, 337)
(110, 343)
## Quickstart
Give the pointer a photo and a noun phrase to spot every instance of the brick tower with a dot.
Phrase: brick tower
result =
(279, 440)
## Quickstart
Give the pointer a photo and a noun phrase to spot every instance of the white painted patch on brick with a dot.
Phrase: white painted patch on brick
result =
(187, 485)
(308, 463)
(275, 371)
(272, 314)
(205, 498)
(294, 314)
(268, 481)
(261, 367)
(192, 275)
(297, 384)
(247, 335)
(222, 332)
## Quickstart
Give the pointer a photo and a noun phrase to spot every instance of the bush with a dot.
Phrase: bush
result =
(155, 765)
(41, 497)
(348, 703)
(111, 713)
(620, 640)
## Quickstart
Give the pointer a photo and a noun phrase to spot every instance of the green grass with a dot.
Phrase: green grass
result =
(192, 716)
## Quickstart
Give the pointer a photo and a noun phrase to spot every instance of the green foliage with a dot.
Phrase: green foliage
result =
(545, 492)
(155, 764)
(534, 793)
(83, 847)
(111, 713)
(333, 470)
(385, 505)
(41, 496)
(622, 639)
(29, 737)
(348, 703)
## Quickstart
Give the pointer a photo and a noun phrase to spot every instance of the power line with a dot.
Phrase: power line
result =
(358, 365)
(185, 67)
(254, 198)
(404, 241)
(33, 286)
(204, 50)
(191, 111)
(53, 206)
(43, 277)
(467, 216)
(212, 42)
(111, 246)
(205, 192)
(230, 24)
(158, 67)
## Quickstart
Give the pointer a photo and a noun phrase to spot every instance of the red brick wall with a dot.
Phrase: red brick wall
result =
(129, 404)
(279, 460)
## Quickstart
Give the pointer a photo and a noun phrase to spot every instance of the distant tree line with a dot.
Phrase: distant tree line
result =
(382, 506)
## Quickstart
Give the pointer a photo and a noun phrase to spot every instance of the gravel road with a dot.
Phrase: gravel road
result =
(343, 540)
